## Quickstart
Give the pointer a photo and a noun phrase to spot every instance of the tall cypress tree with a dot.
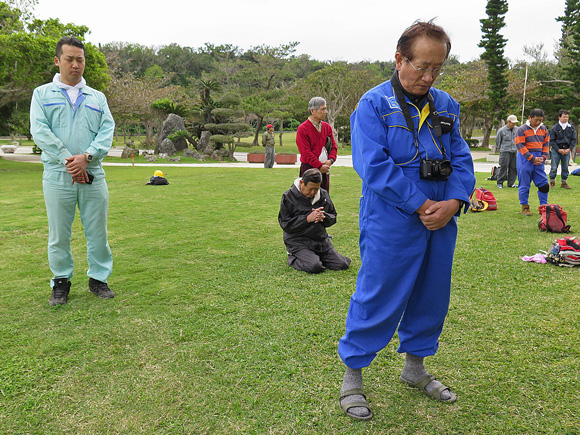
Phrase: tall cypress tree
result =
(493, 43)
(570, 42)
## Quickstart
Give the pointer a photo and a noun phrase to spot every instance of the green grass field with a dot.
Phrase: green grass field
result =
(212, 333)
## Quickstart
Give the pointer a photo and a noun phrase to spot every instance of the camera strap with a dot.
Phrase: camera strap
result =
(398, 89)
(403, 104)
(436, 122)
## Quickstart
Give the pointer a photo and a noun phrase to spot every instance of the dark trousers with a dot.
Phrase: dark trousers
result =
(325, 177)
(507, 168)
(270, 157)
(317, 261)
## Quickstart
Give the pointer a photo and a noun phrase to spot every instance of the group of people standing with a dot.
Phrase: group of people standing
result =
(417, 176)
(524, 151)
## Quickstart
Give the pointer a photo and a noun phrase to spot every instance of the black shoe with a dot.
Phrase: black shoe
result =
(101, 289)
(60, 292)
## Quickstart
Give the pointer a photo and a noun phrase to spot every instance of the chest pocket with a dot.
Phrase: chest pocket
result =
(91, 115)
(400, 146)
(56, 113)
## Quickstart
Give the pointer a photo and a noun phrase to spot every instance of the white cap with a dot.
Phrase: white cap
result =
(512, 118)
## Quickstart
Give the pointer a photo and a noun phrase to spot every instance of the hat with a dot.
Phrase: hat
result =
(476, 205)
(512, 118)
(269, 126)
(158, 174)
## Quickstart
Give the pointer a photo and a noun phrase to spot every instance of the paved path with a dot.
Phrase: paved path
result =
(24, 154)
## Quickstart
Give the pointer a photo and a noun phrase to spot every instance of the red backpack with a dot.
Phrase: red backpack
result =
(485, 195)
(553, 219)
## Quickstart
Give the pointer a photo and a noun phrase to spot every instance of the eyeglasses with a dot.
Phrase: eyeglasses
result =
(433, 71)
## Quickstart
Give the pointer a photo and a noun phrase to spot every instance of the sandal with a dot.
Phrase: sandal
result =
(435, 394)
(346, 406)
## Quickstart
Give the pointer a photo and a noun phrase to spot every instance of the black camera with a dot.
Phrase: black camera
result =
(435, 169)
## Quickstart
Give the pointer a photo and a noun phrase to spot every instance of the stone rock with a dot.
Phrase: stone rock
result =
(128, 152)
(171, 124)
(205, 145)
(150, 158)
(166, 147)
(174, 159)
(8, 148)
(217, 155)
(194, 155)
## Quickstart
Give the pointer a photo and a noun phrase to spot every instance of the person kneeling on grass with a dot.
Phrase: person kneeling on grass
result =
(305, 213)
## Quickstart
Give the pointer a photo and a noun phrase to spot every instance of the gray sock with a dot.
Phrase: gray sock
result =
(414, 371)
(353, 379)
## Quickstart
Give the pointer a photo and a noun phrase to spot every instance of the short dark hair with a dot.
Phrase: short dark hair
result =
(68, 40)
(312, 175)
(536, 112)
(563, 112)
(417, 30)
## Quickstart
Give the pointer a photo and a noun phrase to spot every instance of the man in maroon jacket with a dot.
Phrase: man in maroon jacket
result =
(316, 142)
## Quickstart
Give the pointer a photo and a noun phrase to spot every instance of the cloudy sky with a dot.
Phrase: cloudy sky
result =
(326, 30)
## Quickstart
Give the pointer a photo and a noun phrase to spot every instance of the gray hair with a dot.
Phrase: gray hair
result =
(315, 103)
(312, 175)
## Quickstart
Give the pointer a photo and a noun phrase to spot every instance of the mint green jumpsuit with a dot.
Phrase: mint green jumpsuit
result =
(60, 131)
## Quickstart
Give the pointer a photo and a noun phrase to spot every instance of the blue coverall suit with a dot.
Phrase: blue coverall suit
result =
(405, 276)
(60, 131)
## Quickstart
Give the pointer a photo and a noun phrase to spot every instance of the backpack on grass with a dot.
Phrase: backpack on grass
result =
(565, 252)
(486, 196)
(553, 219)
(494, 173)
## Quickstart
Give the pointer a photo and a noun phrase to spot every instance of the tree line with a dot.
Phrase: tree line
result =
(233, 92)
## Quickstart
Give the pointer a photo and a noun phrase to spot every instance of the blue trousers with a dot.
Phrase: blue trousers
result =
(404, 281)
(556, 159)
(528, 172)
(61, 198)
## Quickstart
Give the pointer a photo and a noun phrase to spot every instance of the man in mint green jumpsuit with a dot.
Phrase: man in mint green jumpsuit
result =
(72, 124)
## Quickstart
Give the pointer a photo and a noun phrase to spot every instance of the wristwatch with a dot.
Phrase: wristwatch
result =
(89, 156)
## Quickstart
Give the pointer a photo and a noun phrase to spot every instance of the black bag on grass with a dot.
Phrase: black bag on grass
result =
(494, 173)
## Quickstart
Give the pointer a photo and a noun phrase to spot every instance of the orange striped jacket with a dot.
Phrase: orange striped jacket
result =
(532, 143)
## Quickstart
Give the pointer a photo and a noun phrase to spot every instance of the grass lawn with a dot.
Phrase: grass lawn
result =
(212, 333)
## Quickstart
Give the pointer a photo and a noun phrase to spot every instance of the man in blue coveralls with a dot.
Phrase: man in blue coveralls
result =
(417, 175)
(72, 124)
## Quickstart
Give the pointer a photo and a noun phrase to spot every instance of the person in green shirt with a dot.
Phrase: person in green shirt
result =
(269, 142)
